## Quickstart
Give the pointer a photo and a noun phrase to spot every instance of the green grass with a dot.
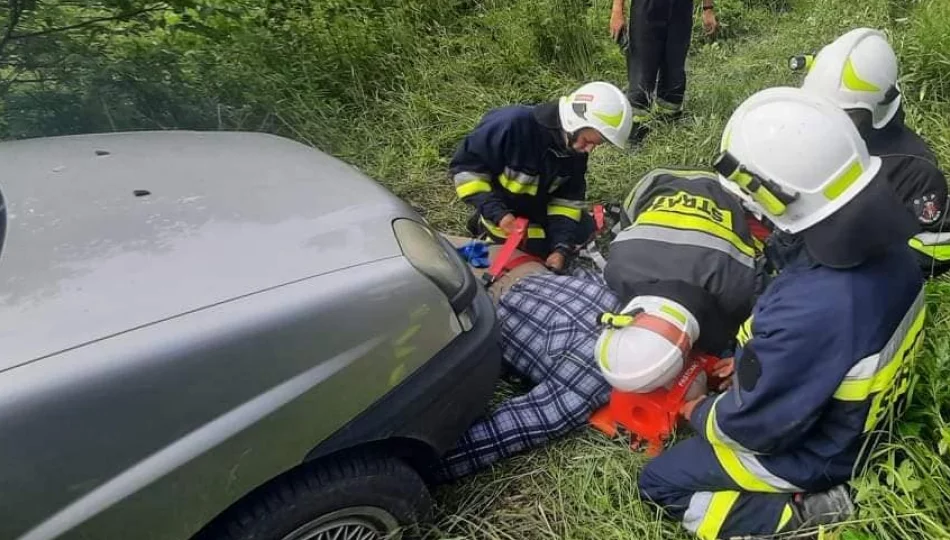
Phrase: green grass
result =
(391, 86)
(584, 487)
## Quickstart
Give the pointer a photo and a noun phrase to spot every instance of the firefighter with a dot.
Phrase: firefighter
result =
(689, 244)
(689, 241)
(657, 42)
(859, 72)
(829, 343)
(531, 161)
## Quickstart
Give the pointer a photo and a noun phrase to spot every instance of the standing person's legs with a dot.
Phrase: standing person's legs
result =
(671, 84)
(688, 482)
(644, 53)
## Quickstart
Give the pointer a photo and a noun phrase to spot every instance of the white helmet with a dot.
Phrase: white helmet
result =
(646, 345)
(797, 157)
(858, 71)
(601, 106)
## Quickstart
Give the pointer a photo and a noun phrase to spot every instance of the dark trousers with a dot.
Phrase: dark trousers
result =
(540, 247)
(692, 487)
(660, 32)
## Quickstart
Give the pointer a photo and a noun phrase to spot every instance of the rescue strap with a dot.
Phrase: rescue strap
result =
(657, 325)
(503, 261)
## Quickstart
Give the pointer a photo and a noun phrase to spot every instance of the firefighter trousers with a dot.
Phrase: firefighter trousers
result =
(691, 486)
(660, 32)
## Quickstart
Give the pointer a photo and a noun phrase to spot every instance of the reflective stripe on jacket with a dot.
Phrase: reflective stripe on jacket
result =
(823, 358)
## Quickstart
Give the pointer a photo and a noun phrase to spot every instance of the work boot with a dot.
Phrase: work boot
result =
(824, 508)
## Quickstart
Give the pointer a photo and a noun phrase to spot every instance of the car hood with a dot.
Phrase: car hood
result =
(106, 233)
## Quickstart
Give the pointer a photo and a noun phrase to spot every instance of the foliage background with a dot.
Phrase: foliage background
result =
(392, 85)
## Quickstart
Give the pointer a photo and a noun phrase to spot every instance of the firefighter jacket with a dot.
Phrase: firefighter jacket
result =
(516, 160)
(823, 357)
(912, 170)
(689, 241)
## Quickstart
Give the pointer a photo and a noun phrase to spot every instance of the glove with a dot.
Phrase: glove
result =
(475, 253)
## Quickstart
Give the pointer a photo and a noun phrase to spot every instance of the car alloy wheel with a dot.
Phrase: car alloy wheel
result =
(354, 523)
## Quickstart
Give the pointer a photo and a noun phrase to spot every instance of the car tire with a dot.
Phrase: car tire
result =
(361, 497)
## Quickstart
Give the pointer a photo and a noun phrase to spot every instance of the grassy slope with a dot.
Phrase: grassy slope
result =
(584, 486)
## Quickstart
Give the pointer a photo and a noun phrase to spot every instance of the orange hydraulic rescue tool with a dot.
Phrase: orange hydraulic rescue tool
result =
(651, 417)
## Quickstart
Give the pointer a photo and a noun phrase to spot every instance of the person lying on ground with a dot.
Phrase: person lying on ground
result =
(859, 72)
(531, 161)
(829, 341)
(689, 245)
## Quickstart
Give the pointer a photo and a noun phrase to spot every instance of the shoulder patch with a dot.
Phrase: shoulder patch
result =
(748, 369)
(927, 209)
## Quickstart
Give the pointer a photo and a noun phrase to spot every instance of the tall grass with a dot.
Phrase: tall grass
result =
(392, 85)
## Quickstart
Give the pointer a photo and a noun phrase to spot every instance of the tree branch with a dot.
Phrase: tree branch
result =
(16, 11)
(89, 22)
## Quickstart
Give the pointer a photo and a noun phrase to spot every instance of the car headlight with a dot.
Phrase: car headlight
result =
(426, 253)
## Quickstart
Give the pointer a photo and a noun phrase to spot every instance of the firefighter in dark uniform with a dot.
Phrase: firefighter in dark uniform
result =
(531, 161)
(858, 71)
(689, 240)
(688, 255)
(829, 344)
(657, 41)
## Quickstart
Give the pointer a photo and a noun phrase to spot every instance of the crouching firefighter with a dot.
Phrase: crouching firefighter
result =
(689, 240)
(829, 342)
(859, 72)
(531, 161)
(550, 323)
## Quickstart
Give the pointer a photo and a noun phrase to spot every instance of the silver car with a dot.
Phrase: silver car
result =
(224, 336)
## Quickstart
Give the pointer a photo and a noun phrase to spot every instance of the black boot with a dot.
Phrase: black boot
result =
(824, 508)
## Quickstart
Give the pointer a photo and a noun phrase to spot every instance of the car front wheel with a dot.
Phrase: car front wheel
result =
(361, 497)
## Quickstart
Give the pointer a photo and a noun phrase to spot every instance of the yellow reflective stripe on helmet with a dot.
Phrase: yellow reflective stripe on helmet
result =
(534, 231)
(786, 517)
(853, 81)
(673, 312)
(934, 251)
(612, 120)
(694, 223)
(840, 184)
(602, 351)
(720, 505)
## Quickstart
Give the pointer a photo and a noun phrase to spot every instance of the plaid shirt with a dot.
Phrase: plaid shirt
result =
(548, 331)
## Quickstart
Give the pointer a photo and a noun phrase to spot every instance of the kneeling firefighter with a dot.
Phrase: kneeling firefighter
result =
(531, 161)
(690, 241)
(550, 323)
(829, 342)
(859, 72)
